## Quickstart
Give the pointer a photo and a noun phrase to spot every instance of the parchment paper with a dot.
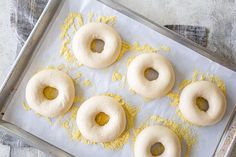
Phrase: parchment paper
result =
(185, 61)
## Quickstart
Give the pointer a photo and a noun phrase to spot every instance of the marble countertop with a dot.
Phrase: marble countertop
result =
(219, 16)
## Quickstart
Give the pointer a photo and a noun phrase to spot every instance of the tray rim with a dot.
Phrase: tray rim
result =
(45, 146)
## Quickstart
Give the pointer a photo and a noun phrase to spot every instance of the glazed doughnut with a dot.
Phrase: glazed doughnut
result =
(40, 103)
(90, 129)
(81, 45)
(141, 85)
(210, 92)
(157, 134)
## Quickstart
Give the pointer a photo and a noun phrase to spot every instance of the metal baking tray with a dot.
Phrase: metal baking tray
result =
(18, 69)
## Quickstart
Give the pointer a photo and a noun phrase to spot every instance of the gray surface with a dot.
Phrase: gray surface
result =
(218, 16)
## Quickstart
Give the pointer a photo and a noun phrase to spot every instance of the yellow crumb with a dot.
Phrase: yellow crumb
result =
(107, 19)
(90, 16)
(87, 83)
(65, 124)
(174, 96)
(116, 76)
(165, 48)
(130, 59)
(78, 75)
(78, 99)
(26, 107)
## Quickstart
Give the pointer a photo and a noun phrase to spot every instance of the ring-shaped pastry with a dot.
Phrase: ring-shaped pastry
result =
(40, 103)
(214, 96)
(90, 129)
(157, 134)
(82, 41)
(151, 89)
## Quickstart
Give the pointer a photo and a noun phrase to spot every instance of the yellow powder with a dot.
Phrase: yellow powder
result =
(130, 59)
(61, 67)
(144, 48)
(165, 48)
(78, 75)
(65, 124)
(87, 83)
(186, 135)
(125, 47)
(132, 91)
(78, 99)
(26, 107)
(116, 76)
(174, 96)
(106, 19)
(90, 16)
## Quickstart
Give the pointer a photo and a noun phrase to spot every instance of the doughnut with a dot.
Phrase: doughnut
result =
(157, 134)
(210, 92)
(40, 103)
(140, 84)
(82, 40)
(90, 129)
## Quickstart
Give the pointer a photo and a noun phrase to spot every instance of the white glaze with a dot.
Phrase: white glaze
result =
(141, 85)
(209, 91)
(50, 78)
(83, 38)
(93, 131)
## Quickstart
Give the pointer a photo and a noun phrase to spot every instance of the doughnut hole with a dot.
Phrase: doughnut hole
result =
(202, 104)
(102, 118)
(97, 45)
(151, 74)
(157, 149)
(50, 92)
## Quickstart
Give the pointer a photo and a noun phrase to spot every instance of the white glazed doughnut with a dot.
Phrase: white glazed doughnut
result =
(141, 85)
(50, 78)
(157, 134)
(210, 92)
(93, 131)
(83, 38)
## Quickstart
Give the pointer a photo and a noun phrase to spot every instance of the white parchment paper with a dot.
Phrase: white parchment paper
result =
(185, 61)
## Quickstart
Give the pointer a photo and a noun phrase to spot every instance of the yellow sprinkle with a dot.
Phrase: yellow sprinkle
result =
(61, 67)
(79, 99)
(116, 76)
(87, 83)
(165, 48)
(26, 107)
(132, 91)
(107, 19)
(195, 75)
(174, 98)
(90, 16)
(65, 124)
(144, 48)
(78, 75)
(184, 83)
(125, 47)
(130, 59)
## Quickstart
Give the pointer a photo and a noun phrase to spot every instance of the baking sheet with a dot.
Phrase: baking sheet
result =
(185, 61)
